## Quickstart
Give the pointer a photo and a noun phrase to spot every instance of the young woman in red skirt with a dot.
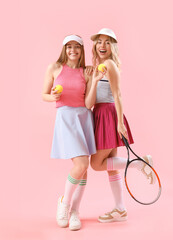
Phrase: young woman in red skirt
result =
(103, 92)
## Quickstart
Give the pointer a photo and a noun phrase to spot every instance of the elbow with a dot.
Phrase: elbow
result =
(88, 105)
(43, 97)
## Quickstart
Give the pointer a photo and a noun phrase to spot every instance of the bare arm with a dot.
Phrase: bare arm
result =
(114, 79)
(90, 96)
(48, 94)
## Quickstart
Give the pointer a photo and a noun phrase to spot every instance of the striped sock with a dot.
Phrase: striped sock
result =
(117, 190)
(114, 163)
(70, 186)
(115, 177)
(77, 195)
(82, 182)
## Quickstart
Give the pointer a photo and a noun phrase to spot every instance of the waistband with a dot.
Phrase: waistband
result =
(97, 105)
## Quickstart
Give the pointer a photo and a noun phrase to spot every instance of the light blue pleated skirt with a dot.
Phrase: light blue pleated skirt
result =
(73, 133)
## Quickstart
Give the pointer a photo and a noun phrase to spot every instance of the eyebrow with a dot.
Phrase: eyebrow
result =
(105, 40)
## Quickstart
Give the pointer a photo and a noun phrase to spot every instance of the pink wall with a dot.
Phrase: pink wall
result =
(33, 32)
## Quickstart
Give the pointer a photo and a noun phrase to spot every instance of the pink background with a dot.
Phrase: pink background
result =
(31, 38)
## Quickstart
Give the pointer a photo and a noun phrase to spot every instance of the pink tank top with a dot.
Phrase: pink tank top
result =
(74, 85)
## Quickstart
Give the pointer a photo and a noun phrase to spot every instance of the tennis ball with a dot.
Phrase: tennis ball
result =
(58, 88)
(101, 67)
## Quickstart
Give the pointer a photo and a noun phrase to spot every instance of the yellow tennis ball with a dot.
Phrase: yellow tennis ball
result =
(58, 88)
(101, 67)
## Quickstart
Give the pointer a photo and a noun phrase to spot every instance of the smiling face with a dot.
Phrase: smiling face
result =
(73, 51)
(103, 48)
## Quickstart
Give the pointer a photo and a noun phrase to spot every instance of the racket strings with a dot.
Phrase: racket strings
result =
(143, 186)
(143, 164)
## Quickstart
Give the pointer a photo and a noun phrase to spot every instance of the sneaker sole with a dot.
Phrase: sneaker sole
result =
(62, 225)
(75, 228)
(113, 220)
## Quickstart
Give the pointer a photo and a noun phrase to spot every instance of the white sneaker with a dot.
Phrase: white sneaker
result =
(147, 170)
(62, 213)
(114, 216)
(74, 222)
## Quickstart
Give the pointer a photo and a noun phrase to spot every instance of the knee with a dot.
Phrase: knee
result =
(83, 166)
(94, 165)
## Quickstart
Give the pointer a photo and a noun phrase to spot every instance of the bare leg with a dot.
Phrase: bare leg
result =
(105, 160)
(98, 160)
(81, 164)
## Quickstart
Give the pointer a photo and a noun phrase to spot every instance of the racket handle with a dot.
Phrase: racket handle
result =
(125, 141)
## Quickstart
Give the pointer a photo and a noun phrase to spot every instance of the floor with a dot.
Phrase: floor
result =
(144, 222)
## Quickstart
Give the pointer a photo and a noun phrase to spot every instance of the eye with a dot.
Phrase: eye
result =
(107, 42)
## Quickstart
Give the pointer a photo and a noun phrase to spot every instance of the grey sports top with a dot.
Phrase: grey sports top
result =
(104, 93)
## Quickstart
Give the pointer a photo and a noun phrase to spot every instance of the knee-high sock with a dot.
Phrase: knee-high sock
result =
(114, 163)
(117, 190)
(77, 195)
(70, 186)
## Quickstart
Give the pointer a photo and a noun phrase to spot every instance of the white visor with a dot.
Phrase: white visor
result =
(105, 31)
(72, 38)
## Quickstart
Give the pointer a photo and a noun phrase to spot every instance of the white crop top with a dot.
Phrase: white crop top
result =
(104, 93)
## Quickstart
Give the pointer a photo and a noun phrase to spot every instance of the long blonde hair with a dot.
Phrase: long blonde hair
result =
(114, 52)
(63, 57)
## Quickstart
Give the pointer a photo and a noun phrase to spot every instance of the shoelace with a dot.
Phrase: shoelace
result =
(109, 213)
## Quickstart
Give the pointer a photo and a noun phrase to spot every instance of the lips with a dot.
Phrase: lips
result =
(73, 54)
(102, 51)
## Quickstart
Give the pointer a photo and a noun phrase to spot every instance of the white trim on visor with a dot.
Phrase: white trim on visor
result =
(72, 38)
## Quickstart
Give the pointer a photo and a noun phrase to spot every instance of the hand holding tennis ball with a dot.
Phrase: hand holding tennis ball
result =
(102, 67)
(58, 88)
(99, 72)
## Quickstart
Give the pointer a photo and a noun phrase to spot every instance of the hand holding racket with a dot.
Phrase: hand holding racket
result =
(122, 130)
(141, 180)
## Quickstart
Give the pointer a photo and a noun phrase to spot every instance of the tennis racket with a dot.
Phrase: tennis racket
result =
(141, 179)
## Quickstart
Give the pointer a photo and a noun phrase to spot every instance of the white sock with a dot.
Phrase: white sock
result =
(117, 190)
(114, 163)
(77, 195)
(70, 186)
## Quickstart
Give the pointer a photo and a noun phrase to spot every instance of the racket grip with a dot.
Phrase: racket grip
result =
(125, 141)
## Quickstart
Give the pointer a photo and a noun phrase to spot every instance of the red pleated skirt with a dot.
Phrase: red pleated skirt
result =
(105, 121)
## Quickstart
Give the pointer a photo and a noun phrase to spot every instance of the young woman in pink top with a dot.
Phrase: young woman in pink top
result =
(73, 134)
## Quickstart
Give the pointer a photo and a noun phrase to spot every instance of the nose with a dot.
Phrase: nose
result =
(102, 44)
(73, 49)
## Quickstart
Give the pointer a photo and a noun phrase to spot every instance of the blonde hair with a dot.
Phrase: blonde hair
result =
(114, 52)
(63, 57)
